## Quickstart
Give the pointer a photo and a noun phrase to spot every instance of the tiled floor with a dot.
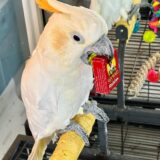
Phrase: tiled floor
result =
(12, 118)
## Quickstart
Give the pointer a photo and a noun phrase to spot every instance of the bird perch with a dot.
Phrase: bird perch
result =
(129, 25)
(71, 144)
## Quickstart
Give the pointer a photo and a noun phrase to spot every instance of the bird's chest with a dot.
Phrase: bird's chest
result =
(78, 76)
(74, 89)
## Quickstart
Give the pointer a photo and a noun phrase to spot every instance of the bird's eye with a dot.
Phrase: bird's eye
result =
(77, 37)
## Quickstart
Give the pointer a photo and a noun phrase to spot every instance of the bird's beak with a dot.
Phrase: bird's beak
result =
(102, 47)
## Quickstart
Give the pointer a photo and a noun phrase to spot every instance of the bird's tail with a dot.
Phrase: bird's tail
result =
(39, 149)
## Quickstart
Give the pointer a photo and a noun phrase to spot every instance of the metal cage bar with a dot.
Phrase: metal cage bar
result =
(144, 108)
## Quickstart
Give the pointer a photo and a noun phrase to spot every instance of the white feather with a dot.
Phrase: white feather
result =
(112, 10)
(53, 101)
(55, 82)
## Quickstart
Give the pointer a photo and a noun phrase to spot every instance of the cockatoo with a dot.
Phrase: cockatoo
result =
(57, 80)
(113, 10)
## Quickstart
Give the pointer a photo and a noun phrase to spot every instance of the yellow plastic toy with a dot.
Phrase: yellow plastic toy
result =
(149, 36)
(156, 3)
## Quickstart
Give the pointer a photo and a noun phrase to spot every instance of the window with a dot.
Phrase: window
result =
(20, 27)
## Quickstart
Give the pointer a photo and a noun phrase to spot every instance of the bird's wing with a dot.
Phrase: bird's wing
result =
(35, 88)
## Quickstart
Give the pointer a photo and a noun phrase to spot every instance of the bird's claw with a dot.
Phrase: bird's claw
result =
(91, 107)
(73, 126)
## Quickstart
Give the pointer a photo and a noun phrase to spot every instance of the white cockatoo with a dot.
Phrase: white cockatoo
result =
(112, 10)
(56, 82)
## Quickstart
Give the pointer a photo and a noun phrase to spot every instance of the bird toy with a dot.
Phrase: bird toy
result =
(153, 76)
(142, 74)
(154, 23)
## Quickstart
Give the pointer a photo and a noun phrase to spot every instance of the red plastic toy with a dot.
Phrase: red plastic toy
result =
(153, 76)
(106, 74)
(155, 25)
(156, 5)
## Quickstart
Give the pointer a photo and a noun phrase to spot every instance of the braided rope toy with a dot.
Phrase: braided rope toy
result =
(138, 81)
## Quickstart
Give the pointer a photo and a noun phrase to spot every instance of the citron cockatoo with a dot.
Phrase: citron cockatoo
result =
(56, 82)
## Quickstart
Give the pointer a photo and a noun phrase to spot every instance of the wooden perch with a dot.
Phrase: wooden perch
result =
(129, 25)
(71, 144)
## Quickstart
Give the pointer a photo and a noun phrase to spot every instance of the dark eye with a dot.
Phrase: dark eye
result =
(77, 37)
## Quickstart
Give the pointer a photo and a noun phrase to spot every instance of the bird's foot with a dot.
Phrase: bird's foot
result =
(73, 126)
(91, 107)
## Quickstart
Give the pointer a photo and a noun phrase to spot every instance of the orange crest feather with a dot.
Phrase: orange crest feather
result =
(43, 4)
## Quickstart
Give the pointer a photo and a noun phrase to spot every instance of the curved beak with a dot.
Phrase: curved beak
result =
(102, 47)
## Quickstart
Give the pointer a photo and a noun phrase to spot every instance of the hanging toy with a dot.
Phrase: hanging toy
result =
(138, 81)
(149, 36)
(136, 27)
(153, 76)
(155, 25)
(156, 5)
(156, 14)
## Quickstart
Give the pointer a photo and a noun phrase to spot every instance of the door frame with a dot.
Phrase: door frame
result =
(34, 22)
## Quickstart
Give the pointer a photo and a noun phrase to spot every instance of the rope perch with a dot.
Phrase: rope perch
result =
(138, 81)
